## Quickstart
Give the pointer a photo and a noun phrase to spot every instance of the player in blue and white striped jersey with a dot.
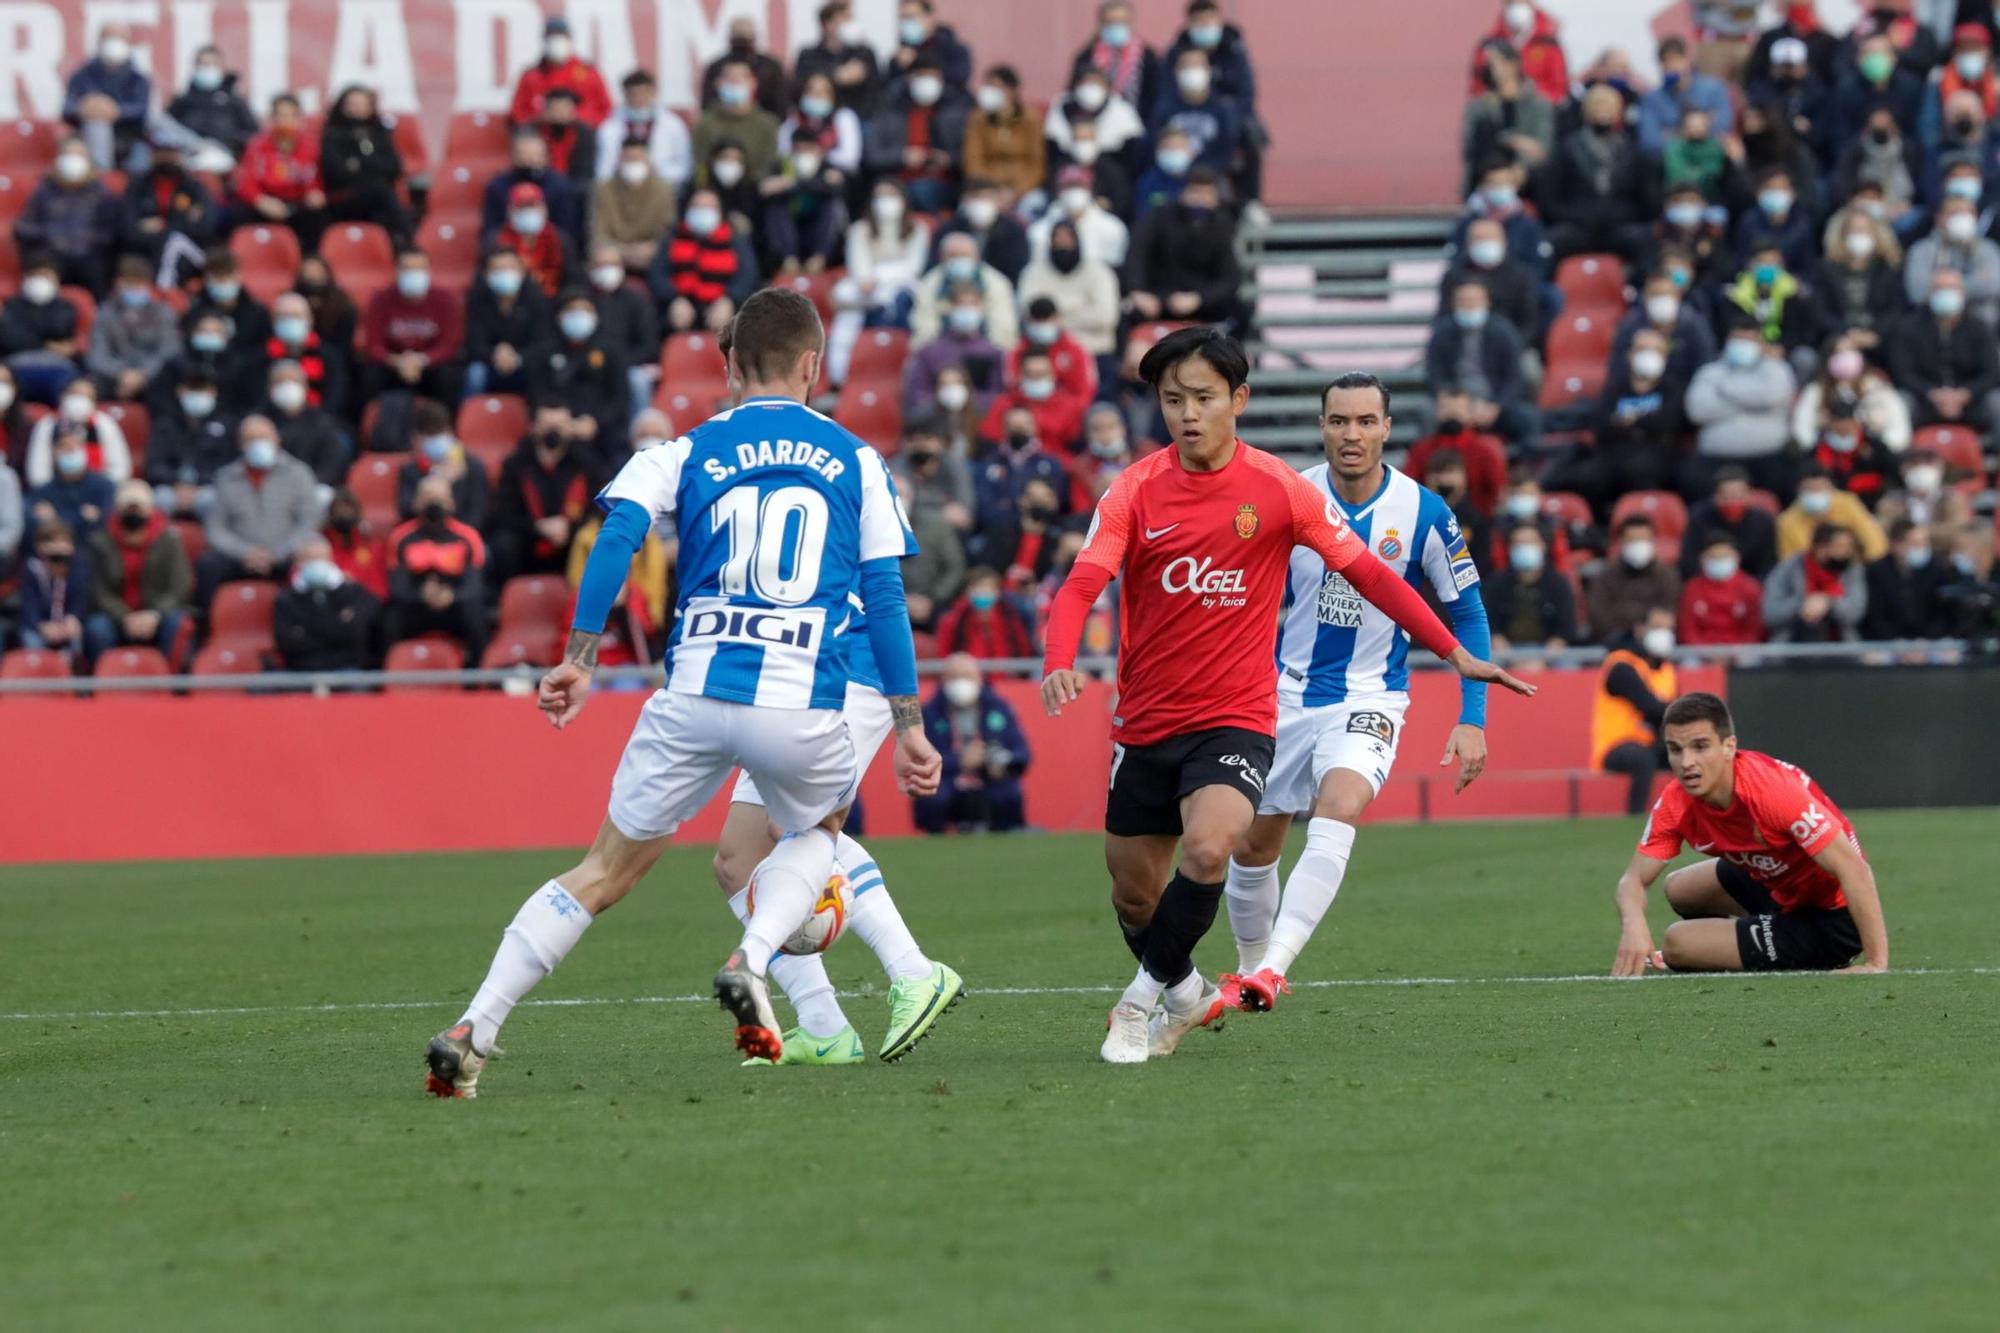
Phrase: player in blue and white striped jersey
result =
(1343, 688)
(781, 515)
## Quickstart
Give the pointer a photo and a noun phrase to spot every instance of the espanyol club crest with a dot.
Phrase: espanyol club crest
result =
(1390, 546)
(1246, 522)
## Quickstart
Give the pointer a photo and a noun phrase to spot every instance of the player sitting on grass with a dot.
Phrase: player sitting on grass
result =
(1789, 889)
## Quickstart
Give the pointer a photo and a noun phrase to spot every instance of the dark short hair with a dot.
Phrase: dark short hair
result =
(1042, 308)
(430, 417)
(638, 78)
(1900, 529)
(1631, 521)
(1204, 341)
(197, 377)
(1732, 472)
(564, 94)
(1812, 471)
(570, 295)
(135, 266)
(1718, 539)
(1700, 707)
(1528, 525)
(1355, 379)
(1443, 459)
(1006, 76)
(286, 99)
(1826, 532)
(1673, 46)
(773, 329)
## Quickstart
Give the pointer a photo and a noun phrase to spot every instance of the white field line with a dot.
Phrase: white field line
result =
(365, 1006)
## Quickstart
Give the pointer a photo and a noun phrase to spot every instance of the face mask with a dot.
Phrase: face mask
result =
(1020, 441)
(1637, 553)
(1174, 161)
(209, 343)
(1474, 318)
(1947, 302)
(981, 213)
(132, 520)
(1844, 364)
(413, 283)
(806, 166)
(504, 281)
(1039, 513)
(1775, 203)
(1876, 65)
(198, 404)
(982, 600)
(1526, 557)
(432, 512)
(953, 396)
(1658, 642)
(1038, 389)
(1835, 564)
(114, 50)
(261, 454)
(888, 208)
(1663, 310)
(1924, 479)
(1860, 244)
(39, 288)
(1042, 334)
(965, 319)
(960, 268)
(72, 462)
(578, 325)
(1521, 505)
(1971, 65)
(634, 173)
(558, 49)
(225, 290)
(132, 298)
(1520, 17)
(608, 277)
(1449, 425)
(1107, 449)
(1874, 208)
(727, 172)
(1917, 557)
(291, 330)
(1965, 565)
(1487, 254)
(1765, 274)
(1092, 96)
(961, 693)
(206, 78)
(1116, 34)
(1742, 353)
(528, 221)
(852, 34)
(1502, 198)
(912, 32)
(991, 99)
(72, 167)
(6, 396)
(436, 448)
(1065, 258)
(1208, 36)
(1961, 227)
(1965, 127)
(703, 221)
(1815, 502)
(320, 576)
(1683, 215)
(343, 522)
(926, 91)
(1719, 568)
(1193, 81)
(288, 395)
(1681, 277)
(77, 407)
(1648, 364)
(1077, 200)
(1963, 187)
(816, 108)
(1084, 152)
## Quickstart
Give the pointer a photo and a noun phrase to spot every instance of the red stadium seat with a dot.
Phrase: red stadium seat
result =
(132, 663)
(408, 134)
(361, 258)
(1582, 337)
(525, 646)
(267, 255)
(34, 664)
(679, 406)
(423, 655)
(86, 310)
(879, 355)
(1764, 500)
(479, 140)
(29, 145)
(15, 187)
(690, 364)
(373, 481)
(1143, 336)
(1592, 284)
(227, 659)
(493, 418)
(535, 601)
(137, 423)
(874, 412)
(194, 538)
(1958, 448)
(1567, 508)
(241, 613)
(1667, 510)
(453, 245)
(818, 286)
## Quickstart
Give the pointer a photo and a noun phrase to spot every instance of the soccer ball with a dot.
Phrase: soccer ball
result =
(828, 919)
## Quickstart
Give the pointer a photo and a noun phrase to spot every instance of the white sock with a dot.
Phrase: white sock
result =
(1252, 895)
(783, 889)
(1182, 995)
(1309, 891)
(874, 918)
(803, 980)
(545, 929)
(1144, 991)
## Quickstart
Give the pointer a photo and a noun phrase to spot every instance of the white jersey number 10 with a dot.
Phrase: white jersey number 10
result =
(784, 531)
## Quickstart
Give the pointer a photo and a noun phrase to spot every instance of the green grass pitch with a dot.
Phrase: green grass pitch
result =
(1472, 1152)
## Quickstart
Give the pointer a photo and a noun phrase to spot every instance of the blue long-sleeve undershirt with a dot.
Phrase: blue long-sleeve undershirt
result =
(881, 587)
(1468, 622)
(610, 564)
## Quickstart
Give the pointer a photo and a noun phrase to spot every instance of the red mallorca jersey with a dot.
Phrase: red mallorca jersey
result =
(1778, 821)
(1204, 558)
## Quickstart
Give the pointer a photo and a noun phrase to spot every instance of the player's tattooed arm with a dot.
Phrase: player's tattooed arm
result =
(907, 712)
(582, 649)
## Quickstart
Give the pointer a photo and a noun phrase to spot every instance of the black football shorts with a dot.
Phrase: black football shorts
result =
(1771, 939)
(1148, 781)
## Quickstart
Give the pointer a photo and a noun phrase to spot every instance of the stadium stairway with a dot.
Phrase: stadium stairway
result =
(1330, 294)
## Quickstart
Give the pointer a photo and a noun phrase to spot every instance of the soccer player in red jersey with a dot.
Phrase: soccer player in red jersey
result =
(1203, 534)
(1789, 889)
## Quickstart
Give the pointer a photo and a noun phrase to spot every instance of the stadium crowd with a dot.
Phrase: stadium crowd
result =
(1724, 342)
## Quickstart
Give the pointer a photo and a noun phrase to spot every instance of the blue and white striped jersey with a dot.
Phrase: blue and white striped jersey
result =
(1333, 644)
(776, 508)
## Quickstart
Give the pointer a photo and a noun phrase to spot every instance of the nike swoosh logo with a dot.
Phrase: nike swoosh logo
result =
(826, 1050)
(1154, 534)
(1704, 846)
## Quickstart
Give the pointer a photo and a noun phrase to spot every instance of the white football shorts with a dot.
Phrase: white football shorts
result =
(868, 722)
(1359, 735)
(684, 746)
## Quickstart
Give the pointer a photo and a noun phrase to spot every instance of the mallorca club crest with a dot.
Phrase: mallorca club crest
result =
(1390, 546)
(1246, 522)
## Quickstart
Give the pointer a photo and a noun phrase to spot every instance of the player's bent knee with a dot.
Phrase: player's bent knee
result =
(1134, 901)
(1205, 858)
(1678, 948)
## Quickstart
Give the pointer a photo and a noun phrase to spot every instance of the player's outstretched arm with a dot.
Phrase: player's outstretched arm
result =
(567, 685)
(1635, 937)
(1857, 881)
(918, 765)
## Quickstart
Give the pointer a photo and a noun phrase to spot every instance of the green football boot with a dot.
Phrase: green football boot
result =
(916, 1005)
(801, 1048)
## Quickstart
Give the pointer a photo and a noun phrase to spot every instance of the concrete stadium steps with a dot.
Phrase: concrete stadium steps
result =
(1331, 294)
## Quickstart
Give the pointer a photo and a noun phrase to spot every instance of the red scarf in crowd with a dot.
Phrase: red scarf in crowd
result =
(576, 498)
(702, 266)
(310, 358)
(1988, 88)
(1120, 65)
(543, 255)
(1821, 579)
